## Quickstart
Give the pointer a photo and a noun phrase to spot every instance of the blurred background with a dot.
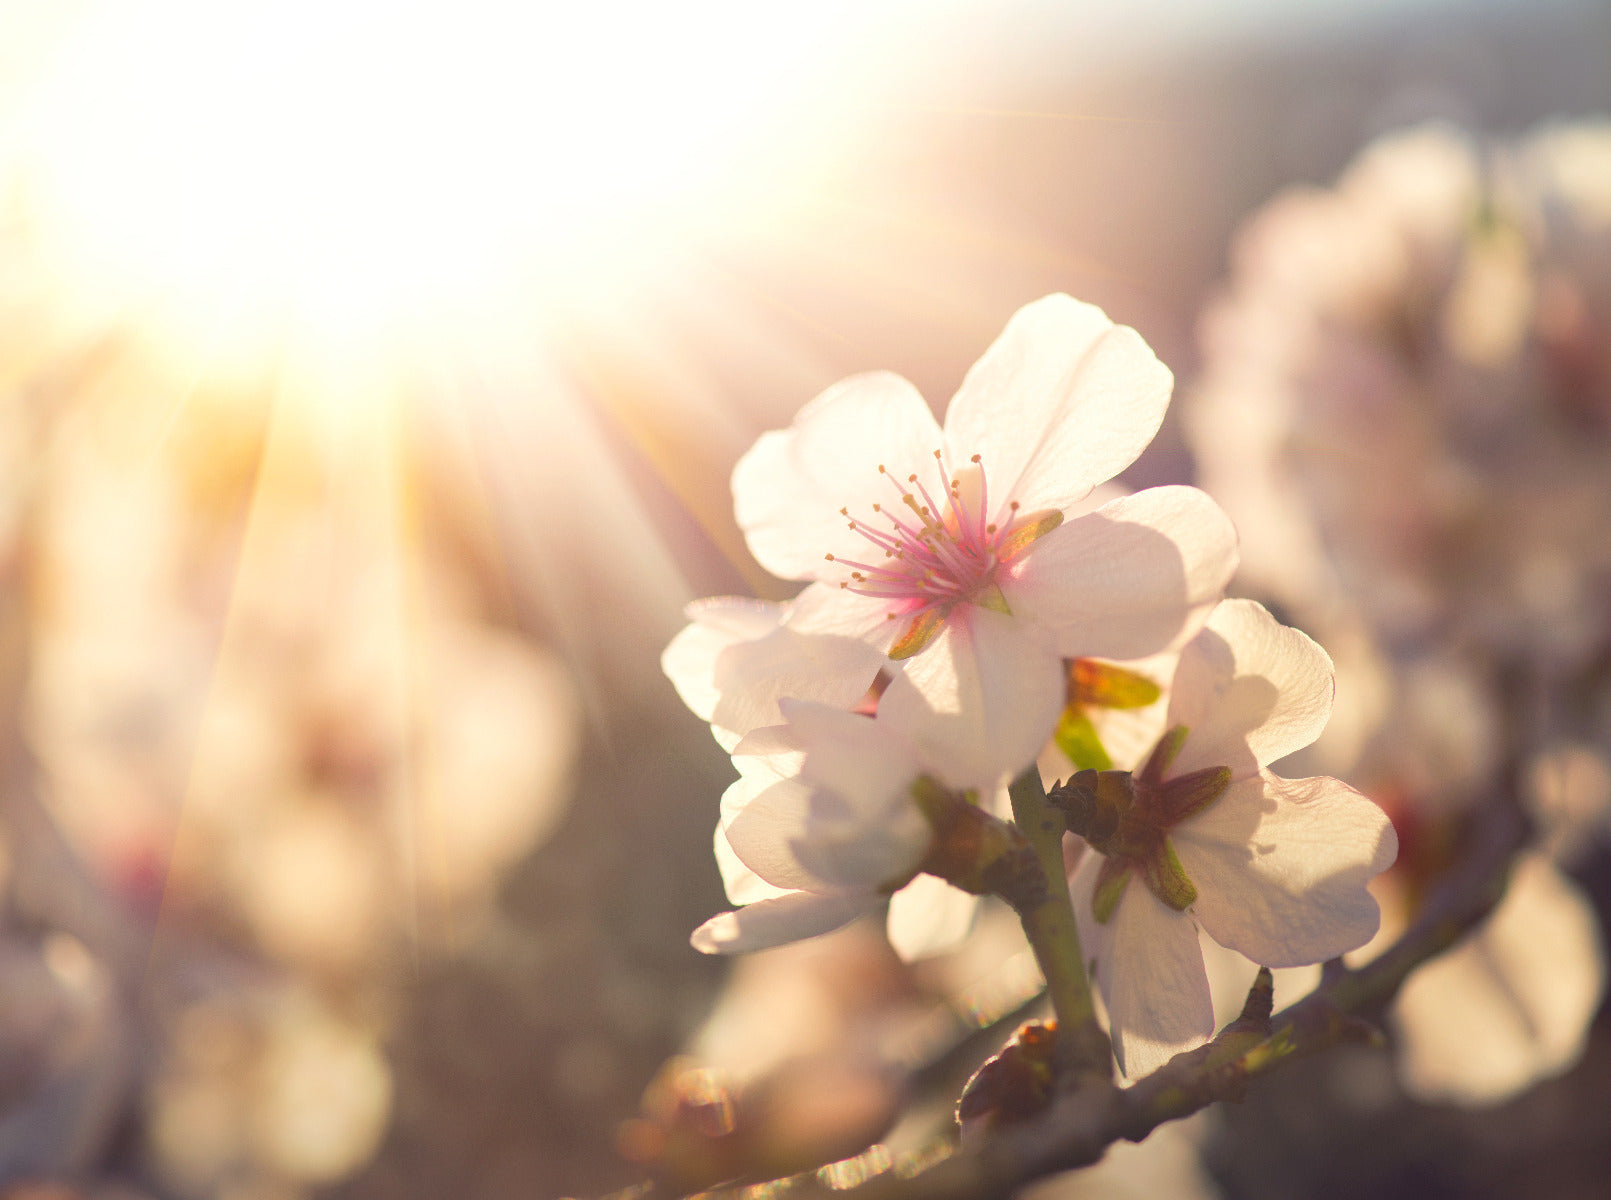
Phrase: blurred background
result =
(370, 377)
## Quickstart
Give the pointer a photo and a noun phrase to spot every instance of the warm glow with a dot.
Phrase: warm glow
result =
(360, 171)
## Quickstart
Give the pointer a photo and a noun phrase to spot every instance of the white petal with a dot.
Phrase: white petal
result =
(718, 623)
(1063, 400)
(863, 759)
(1281, 867)
(743, 885)
(830, 610)
(1134, 578)
(788, 489)
(751, 677)
(860, 827)
(787, 918)
(1510, 1005)
(980, 701)
(928, 916)
(1250, 690)
(1150, 971)
(764, 828)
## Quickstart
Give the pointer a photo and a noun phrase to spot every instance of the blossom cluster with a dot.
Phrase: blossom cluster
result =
(971, 618)
(1406, 407)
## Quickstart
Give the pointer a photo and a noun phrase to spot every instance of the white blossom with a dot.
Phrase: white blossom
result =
(1271, 867)
(823, 825)
(948, 549)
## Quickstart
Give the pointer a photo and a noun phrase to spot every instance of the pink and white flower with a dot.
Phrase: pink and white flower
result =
(948, 550)
(1208, 837)
(823, 825)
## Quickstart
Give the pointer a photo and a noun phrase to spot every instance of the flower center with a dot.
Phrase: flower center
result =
(929, 555)
(1127, 818)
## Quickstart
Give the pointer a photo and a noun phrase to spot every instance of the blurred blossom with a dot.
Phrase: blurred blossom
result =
(1569, 791)
(289, 730)
(1512, 1003)
(1407, 401)
(1406, 407)
(264, 1088)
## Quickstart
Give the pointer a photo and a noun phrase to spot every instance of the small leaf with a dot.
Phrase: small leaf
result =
(1105, 685)
(1077, 738)
(1166, 878)
(918, 634)
(1110, 880)
(1028, 529)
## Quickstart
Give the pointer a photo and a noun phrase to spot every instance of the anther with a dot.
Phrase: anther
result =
(877, 507)
(975, 458)
(844, 512)
(881, 470)
(1013, 506)
(829, 557)
(911, 479)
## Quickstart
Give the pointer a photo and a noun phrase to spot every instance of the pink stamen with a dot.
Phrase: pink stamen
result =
(945, 556)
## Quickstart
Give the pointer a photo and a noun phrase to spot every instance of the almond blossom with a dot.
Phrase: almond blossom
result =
(1204, 835)
(826, 821)
(737, 662)
(947, 549)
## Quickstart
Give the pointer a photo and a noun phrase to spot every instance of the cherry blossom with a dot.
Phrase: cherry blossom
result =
(1203, 835)
(950, 549)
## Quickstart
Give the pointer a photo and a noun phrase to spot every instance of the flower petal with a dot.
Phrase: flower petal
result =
(1250, 690)
(928, 916)
(743, 885)
(751, 677)
(715, 624)
(763, 830)
(789, 487)
(1147, 963)
(833, 611)
(737, 659)
(1510, 1005)
(1281, 867)
(1135, 577)
(1063, 400)
(787, 918)
(980, 701)
(797, 836)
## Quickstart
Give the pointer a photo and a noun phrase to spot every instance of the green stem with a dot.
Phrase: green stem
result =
(1049, 926)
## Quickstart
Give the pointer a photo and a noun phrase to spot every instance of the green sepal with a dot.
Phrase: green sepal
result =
(1152, 771)
(1110, 880)
(918, 634)
(1030, 528)
(1105, 685)
(1172, 802)
(990, 596)
(1167, 880)
(1077, 738)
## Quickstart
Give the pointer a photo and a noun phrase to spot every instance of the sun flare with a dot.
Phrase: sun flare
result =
(359, 172)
